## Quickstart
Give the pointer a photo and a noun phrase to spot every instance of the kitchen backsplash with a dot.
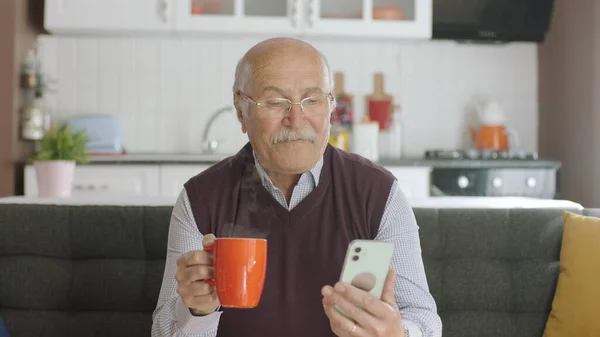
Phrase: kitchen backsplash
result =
(163, 90)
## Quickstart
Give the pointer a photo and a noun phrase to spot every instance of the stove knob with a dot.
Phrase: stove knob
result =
(497, 182)
(472, 153)
(531, 182)
(463, 182)
(521, 154)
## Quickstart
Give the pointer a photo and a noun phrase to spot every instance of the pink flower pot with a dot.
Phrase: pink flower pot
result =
(54, 177)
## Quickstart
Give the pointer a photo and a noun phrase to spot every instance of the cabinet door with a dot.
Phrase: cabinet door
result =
(413, 181)
(281, 17)
(97, 180)
(108, 16)
(404, 19)
(173, 177)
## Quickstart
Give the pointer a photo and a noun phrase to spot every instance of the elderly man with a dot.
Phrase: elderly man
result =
(309, 200)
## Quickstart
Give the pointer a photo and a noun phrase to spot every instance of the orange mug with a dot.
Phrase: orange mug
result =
(240, 266)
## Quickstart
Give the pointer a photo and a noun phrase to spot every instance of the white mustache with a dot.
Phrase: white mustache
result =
(287, 135)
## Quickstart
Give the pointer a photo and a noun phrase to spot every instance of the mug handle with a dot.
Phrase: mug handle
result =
(210, 249)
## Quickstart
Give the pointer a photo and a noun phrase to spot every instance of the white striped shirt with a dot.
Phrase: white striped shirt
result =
(398, 225)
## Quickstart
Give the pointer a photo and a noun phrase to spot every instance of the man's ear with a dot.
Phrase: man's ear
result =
(239, 112)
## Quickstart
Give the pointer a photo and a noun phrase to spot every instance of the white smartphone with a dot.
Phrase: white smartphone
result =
(366, 266)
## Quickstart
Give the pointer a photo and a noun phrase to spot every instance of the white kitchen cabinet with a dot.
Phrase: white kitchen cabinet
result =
(414, 181)
(273, 17)
(166, 180)
(406, 19)
(119, 180)
(174, 176)
(109, 16)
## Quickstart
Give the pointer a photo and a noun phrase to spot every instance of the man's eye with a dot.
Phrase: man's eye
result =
(275, 104)
(313, 101)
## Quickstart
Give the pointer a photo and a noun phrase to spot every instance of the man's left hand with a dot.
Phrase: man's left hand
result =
(370, 317)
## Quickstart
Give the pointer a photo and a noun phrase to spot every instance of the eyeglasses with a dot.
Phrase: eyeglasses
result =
(278, 107)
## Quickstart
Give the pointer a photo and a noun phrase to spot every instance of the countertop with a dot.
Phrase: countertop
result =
(207, 159)
(431, 202)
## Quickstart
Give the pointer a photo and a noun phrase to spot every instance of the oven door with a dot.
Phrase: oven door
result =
(495, 182)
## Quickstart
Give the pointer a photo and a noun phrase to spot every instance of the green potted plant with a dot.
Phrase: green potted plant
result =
(60, 150)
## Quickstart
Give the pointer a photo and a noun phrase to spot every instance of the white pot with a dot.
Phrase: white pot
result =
(54, 177)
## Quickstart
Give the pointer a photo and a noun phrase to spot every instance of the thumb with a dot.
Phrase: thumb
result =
(387, 294)
(208, 240)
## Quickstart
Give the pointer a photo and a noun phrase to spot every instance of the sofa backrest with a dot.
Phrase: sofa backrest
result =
(97, 270)
(493, 272)
(81, 270)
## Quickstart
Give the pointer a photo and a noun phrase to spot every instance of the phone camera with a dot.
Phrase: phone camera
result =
(355, 258)
(357, 250)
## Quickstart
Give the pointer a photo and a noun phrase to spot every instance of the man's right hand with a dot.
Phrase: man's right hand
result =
(192, 269)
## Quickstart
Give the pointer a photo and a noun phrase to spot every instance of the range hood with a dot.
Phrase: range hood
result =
(492, 21)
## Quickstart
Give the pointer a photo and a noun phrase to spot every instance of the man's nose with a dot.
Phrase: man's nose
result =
(295, 117)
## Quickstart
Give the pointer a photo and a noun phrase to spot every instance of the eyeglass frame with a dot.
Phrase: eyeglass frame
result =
(329, 97)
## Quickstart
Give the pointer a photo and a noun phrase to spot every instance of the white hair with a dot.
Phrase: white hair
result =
(242, 76)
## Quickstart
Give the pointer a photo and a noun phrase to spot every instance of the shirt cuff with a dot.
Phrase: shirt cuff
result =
(413, 328)
(191, 324)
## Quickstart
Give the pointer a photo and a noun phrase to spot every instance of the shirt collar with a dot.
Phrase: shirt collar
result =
(314, 173)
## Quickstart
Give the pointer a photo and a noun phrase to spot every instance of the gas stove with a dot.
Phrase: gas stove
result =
(474, 154)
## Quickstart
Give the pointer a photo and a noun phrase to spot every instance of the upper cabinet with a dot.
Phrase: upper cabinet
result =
(411, 19)
(403, 19)
(113, 17)
(281, 17)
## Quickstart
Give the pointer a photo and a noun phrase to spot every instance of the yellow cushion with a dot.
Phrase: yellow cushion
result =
(576, 305)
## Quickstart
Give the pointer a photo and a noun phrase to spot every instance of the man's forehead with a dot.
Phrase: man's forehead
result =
(273, 63)
(288, 84)
(285, 71)
(275, 73)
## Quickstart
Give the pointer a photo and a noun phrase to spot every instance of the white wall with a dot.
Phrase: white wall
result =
(163, 90)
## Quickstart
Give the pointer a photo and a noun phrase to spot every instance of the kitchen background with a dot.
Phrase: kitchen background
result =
(164, 90)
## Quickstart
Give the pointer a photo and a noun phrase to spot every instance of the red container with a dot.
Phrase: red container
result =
(379, 104)
(380, 111)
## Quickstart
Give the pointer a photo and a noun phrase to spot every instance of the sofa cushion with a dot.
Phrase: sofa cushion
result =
(576, 305)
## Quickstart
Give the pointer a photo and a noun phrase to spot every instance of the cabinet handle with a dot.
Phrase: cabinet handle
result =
(164, 10)
(90, 187)
(312, 12)
(295, 12)
(84, 187)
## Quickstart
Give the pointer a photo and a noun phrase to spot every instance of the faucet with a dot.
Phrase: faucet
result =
(211, 145)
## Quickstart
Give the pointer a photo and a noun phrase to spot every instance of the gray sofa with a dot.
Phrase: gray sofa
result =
(96, 270)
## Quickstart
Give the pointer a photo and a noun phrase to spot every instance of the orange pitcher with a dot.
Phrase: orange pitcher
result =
(490, 137)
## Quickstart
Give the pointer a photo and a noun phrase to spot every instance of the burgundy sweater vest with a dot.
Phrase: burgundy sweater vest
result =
(306, 246)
